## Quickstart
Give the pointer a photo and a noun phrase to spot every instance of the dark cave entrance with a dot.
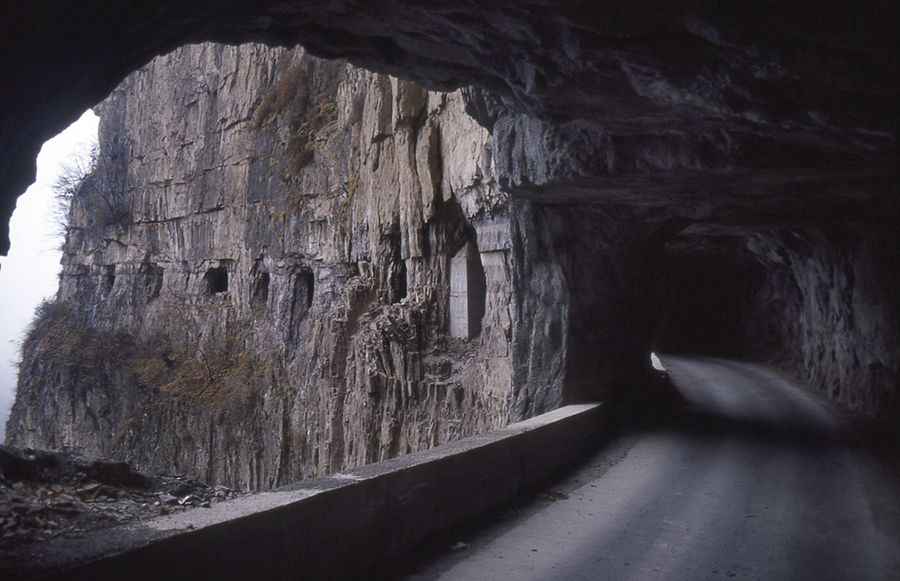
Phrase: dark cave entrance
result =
(216, 280)
(709, 293)
(818, 300)
(304, 288)
(109, 278)
(306, 285)
(152, 278)
(397, 285)
(397, 281)
(605, 289)
(259, 296)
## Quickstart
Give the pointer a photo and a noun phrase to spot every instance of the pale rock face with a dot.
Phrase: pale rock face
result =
(332, 200)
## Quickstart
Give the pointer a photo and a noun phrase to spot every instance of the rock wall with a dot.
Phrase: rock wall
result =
(584, 302)
(830, 305)
(822, 303)
(256, 278)
(727, 89)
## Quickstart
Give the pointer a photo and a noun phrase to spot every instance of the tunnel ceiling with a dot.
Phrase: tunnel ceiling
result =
(705, 112)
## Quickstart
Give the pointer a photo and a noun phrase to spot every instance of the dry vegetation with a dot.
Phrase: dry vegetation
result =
(85, 179)
(219, 376)
(224, 375)
(308, 110)
(288, 88)
(57, 334)
(301, 148)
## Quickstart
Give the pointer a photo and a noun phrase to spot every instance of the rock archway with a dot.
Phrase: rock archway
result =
(597, 97)
(632, 146)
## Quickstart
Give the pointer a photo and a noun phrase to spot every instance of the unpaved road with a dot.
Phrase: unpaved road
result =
(751, 480)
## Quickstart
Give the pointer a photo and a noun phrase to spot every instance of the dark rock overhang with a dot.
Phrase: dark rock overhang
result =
(593, 94)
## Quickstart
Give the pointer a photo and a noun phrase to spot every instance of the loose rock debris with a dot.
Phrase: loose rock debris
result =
(45, 495)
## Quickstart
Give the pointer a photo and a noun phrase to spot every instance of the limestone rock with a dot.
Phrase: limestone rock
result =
(273, 301)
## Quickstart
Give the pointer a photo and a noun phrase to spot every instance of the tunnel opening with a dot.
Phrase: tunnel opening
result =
(109, 278)
(304, 287)
(709, 287)
(259, 296)
(397, 281)
(152, 280)
(468, 292)
(604, 292)
(819, 302)
(216, 280)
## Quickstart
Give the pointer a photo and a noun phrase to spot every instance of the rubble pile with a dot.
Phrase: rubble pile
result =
(44, 495)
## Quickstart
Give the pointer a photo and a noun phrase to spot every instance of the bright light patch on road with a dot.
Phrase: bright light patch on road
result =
(656, 363)
(29, 273)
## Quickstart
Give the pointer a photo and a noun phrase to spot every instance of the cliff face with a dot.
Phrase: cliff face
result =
(256, 284)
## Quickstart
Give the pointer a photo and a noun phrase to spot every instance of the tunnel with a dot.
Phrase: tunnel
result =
(216, 280)
(711, 188)
(503, 210)
(814, 300)
(713, 117)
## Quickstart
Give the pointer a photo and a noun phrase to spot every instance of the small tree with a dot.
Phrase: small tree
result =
(74, 173)
(90, 177)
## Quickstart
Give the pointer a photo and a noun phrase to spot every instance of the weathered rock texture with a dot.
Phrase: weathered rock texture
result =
(831, 298)
(330, 201)
(636, 99)
(256, 278)
(584, 318)
(257, 281)
(820, 302)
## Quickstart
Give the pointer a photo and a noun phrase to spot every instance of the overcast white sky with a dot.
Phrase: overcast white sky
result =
(28, 274)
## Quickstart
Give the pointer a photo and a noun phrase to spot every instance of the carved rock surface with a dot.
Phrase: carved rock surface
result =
(819, 301)
(269, 299)
(834, 295)
(788, 91)
(328, 201)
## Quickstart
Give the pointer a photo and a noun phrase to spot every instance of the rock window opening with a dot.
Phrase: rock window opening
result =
(153, 280)
(304, 290)
(216, 280)
(468, 292)
(109, 278)
(307, 282)
(260, 295)
(396, 270)
(398, 281)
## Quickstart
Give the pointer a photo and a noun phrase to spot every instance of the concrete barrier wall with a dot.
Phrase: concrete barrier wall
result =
(348, 526)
